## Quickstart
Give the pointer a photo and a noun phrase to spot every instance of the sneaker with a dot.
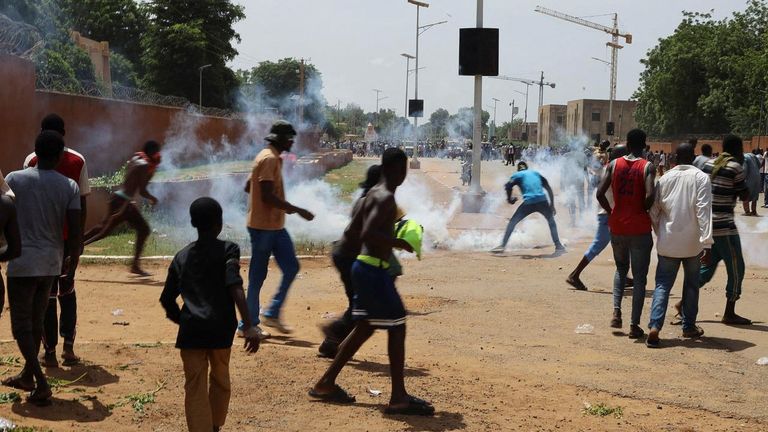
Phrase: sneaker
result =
(262, 334)
(498, 250)
(277, 324)
(695, 332)
(616, 320)
(635, 332)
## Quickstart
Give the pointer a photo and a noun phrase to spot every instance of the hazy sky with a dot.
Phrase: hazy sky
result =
(356, 44)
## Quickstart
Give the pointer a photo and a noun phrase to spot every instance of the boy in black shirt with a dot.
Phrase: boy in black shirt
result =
(206, 274)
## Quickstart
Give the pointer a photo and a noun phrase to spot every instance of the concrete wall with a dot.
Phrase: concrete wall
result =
(551, 124)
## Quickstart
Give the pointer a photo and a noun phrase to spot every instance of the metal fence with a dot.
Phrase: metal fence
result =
(19, 39)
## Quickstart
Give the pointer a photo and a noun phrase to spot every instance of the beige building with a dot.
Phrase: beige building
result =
(552, 125)
(530, 129)
(590, 117)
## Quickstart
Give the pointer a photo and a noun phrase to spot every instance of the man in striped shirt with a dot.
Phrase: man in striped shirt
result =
(727, 176)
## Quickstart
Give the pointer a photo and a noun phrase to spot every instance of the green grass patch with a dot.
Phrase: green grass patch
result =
(9, 397)
(10, 361)
(138, 401)
(348, 177)
(602, 410)
(202, 171)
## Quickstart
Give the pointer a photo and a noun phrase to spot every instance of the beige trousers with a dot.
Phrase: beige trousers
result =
(205, 406)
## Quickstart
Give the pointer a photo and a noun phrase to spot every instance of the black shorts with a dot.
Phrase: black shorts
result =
(376, 299)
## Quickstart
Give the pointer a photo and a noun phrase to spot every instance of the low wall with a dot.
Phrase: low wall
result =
(757, 142)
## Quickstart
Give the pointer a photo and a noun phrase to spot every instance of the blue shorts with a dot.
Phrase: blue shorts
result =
(376, 299)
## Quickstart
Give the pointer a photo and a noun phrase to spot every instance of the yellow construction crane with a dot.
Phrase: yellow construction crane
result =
(613, 44)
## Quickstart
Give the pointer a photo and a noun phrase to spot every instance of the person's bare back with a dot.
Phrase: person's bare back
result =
(378, 213)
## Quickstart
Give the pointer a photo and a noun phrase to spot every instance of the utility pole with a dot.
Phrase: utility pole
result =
(477, 132)
(492, 132)
(301, 93)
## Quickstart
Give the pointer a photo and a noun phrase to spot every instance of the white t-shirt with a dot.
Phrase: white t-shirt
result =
(42, 200)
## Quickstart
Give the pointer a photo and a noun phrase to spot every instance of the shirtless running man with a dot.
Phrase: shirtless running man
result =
(377, 303)
(122, 204)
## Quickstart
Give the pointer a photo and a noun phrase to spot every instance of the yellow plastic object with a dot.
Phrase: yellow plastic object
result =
(412, 232)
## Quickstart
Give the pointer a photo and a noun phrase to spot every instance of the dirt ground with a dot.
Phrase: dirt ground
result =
(491, 343)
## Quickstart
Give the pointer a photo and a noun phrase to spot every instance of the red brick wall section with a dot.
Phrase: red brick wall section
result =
(106, 131)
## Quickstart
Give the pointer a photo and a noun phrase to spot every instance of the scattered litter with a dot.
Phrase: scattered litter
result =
(585, 329)
(762, 361)
(6, 424)
(162, 236)
(373, 392)
(329, 316)
(131, 242)
(117, 312)
(121, 323)
(717, 315)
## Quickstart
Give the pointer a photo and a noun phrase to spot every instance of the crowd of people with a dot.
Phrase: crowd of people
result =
(689, 205)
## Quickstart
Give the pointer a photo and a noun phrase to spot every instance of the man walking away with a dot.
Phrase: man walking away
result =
(532, 184)
(631, 180)
(73, 166)
(206, 274)
(266, 227)
(752, 180)
(704, 157)
(10, 239)
(45, 199)
(682, 219)
(727, 177)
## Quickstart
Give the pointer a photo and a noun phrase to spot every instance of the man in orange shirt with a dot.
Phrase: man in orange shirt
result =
(266, 227)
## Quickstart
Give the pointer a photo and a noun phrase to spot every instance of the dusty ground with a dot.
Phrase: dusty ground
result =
(491, 342)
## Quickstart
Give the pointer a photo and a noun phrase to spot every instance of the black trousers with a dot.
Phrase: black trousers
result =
(342, 326)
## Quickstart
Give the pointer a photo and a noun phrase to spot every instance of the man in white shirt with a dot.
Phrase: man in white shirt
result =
(682, 219)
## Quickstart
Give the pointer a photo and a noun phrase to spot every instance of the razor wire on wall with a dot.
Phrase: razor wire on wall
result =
(17, 38)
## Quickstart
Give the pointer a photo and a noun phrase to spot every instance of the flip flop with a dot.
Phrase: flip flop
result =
(415, 406)
(338, 395)
(18, 383)
(40, 397)
(578, 286)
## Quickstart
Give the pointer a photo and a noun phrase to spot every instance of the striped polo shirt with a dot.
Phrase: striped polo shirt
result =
(727, 185)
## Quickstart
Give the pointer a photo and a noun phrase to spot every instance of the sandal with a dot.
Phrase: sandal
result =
(19, 383)
(577, 284)
(40, 396)
(415, 406)
(338, 395)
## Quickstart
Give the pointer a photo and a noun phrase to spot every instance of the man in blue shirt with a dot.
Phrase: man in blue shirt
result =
(532, 184)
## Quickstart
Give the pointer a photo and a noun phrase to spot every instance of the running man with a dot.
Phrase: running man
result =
(123, 206)
(377, 304)
(631, 181)
(532, 184)
(602, 236)
(72, 166)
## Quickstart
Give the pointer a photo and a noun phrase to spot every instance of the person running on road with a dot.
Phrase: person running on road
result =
(532, 184)
(602, 235)
(630, 179)
(122, 204)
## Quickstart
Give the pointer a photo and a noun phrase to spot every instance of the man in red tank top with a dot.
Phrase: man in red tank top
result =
(631, 179)
(72, 165)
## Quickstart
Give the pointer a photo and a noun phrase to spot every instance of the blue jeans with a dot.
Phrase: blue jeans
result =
(765, 189)
(602, 238)
(264, 244)
(666, 273)
(634, 249)
(524, 211)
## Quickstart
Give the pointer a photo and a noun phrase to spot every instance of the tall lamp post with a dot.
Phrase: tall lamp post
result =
(419, 30)
(200, 99)
(408, 58)
(492, 132)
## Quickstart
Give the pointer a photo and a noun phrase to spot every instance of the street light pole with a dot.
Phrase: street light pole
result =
(200, 98)
(408, 58)
(475, 187)
(492, 132)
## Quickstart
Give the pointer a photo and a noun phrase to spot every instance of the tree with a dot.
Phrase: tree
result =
(122, 70)
(280, 85)
(181, 39)
(461, 124)
(708, 76)
(438, 120)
